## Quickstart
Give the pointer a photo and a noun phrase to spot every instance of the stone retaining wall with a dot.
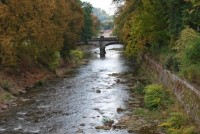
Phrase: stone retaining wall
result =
(187, 94)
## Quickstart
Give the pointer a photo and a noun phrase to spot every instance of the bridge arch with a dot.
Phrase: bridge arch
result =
(112, 43)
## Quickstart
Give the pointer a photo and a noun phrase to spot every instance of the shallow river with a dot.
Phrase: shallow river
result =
(72, 105)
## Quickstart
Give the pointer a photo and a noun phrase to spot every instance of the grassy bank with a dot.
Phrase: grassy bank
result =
(163, 109)
(154, 109)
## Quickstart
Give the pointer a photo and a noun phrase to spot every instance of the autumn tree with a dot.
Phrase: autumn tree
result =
(36, 31)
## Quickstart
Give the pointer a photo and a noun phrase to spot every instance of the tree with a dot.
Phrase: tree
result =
(87, 31)
(35, 31)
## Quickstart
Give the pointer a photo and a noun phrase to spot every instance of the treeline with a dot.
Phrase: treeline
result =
(167, 29)
(42, 31)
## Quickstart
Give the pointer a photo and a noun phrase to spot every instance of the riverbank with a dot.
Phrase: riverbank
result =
(15, 82)
(157, 113)
(84, 99)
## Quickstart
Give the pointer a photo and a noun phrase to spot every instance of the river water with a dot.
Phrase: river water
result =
(72, 105)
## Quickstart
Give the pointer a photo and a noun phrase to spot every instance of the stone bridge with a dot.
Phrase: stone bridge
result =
(102, 42)
(106, 41)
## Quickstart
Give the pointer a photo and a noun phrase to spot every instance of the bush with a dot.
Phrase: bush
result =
(139, 88)
(178, 124)
(183, 130)
(192, 73)
(55, 61)
(156, 97)
(76, 56)
(6, 85)
(188, 47)
(6, 97)
(27, 52)
(171, 63)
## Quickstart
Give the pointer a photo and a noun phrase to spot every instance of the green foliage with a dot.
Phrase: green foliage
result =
(141, 112)
(188, 48)
(50, 58)
(55, 61)
(156, 97)
(178, 124)
(192, 72)
(76, 56)
(139, 88)
(88, 24)
(27, 52)
(171, 63)
(6, 85)
(6, 97)
(151, 26)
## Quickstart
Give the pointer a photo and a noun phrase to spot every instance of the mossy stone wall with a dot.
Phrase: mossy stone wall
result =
(187, 94)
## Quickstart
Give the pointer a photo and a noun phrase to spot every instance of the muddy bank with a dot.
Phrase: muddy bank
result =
(17, 81)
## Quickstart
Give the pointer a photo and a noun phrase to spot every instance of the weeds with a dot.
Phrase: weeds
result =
(6, 85)
(6, 97)
(178, 124)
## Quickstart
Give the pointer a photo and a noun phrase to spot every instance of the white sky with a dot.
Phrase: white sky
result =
(103, 4)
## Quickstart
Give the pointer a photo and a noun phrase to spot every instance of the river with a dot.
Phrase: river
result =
(73, 104)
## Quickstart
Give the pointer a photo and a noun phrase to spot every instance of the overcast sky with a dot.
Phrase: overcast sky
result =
(103, 4)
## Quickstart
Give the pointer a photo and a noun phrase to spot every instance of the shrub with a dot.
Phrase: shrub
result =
(27, 51)
(183, 130)
(177, 124)
(188, 47)
(192, 72)
(139, 88)
(76, 56)
(6, 97)
(171, 63)
(55, 61)
(6, 85)
(156, 97)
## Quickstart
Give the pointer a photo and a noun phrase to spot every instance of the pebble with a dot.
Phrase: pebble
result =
(4, 107)
(98, 91)
(82, 124)
(14, 104)
(22, 91)
(120, 110)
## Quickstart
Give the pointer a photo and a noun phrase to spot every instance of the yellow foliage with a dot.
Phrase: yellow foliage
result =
(44, 23)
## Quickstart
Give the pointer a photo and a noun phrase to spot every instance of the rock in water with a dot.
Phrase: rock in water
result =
(98, 91)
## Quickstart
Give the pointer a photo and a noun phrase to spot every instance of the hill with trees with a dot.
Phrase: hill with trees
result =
(106, 20)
